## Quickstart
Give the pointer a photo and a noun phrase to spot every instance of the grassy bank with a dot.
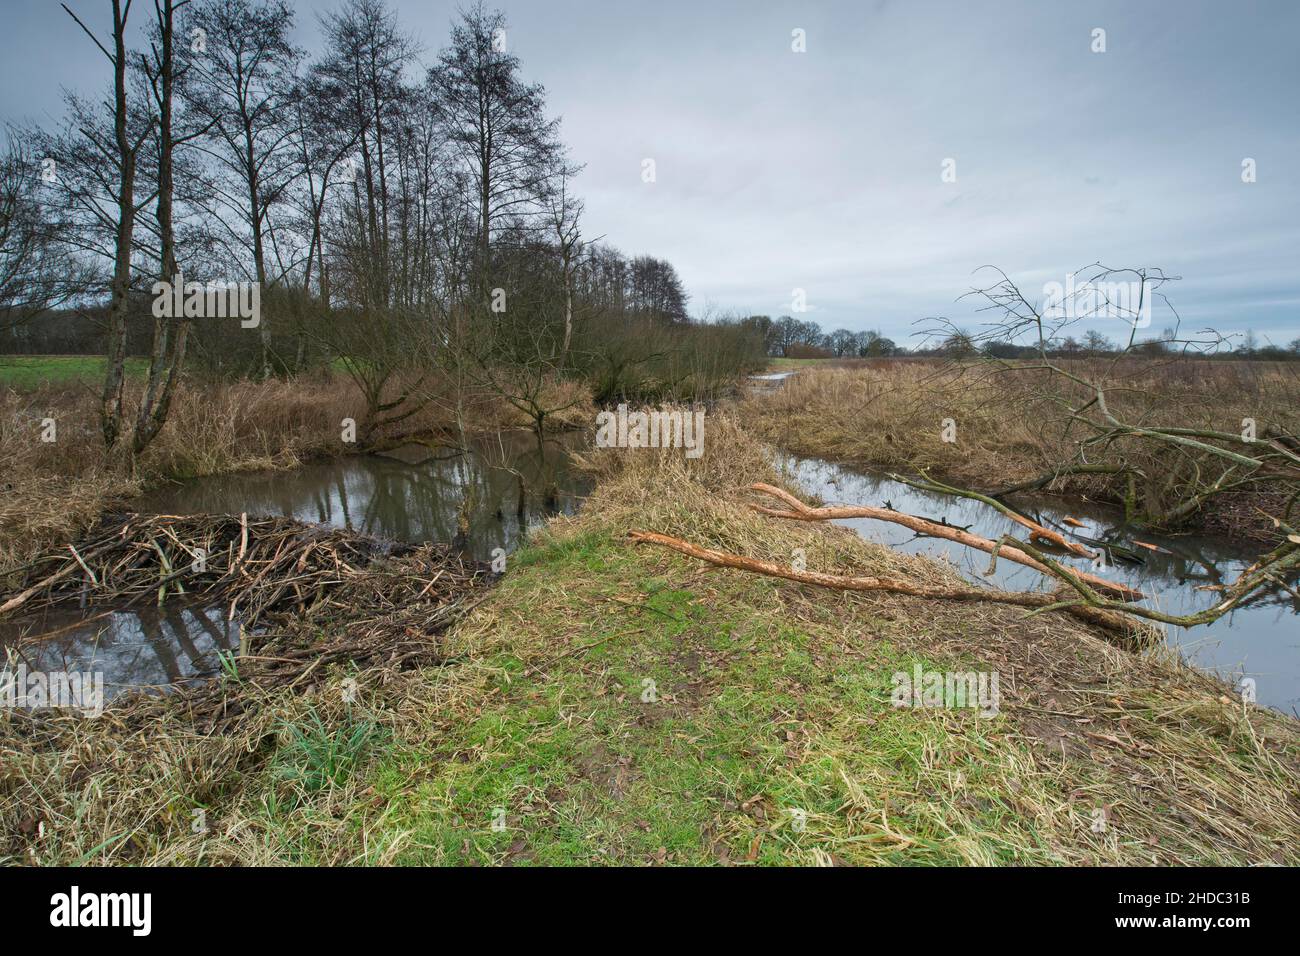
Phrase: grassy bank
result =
(27, 372)
(765, 735)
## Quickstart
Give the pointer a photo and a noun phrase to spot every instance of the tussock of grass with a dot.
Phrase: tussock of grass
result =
(315, 757)
(769, 737)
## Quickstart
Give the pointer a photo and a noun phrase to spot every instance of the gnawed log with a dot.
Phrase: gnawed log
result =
(802, 512)
(1036, 531)
(1110, 620)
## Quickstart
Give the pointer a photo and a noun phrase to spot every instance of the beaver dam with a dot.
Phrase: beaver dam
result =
(304, 595)
(480, 504)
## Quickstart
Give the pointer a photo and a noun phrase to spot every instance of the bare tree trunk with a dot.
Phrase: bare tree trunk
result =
(170, 334)
(568, 315)
(110, 406)
(256, 215)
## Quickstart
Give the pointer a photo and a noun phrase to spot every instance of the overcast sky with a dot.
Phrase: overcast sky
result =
(821, 170)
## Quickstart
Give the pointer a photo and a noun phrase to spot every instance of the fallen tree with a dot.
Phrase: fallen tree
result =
(1011, 551)
(1081, 595)
(1091, 590)
(1136, 635)
(1169, 470)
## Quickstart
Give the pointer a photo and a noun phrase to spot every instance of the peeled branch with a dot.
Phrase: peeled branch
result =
(802, 512)
(1111, 620)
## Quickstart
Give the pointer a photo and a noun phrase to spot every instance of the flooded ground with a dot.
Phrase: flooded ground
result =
(1259, 640)
(500, 488)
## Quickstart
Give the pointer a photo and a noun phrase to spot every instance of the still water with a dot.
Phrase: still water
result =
(489, 497)
(481, 500)
(153, 647)
(414, 494)
(1260, 639)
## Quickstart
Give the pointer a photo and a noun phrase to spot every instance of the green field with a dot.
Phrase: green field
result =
(25, 372)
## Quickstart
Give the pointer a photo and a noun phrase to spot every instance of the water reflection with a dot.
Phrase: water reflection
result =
(482, 499)
(150, 647)
(1259, 639)
(486, 498)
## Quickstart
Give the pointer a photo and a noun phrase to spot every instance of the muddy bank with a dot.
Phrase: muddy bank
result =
(1242, 516)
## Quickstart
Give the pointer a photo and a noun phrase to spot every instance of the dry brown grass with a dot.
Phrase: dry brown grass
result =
(314, 605)
(776, 696)
(1010, 425)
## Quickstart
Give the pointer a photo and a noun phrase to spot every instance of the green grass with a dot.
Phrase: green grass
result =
(26, 372)
(759, 740)
(609, 703)
(315, 756)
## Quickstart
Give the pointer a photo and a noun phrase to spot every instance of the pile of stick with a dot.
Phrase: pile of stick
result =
(252, 566)
(306, 596)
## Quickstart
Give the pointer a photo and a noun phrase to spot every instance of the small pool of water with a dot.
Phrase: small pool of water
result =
(1260, 639)
(480, 500)
(156, 647)
(415, 494)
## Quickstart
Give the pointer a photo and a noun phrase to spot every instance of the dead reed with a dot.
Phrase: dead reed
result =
(990, 427)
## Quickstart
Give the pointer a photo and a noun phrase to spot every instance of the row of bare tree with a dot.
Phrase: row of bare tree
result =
(401, 219)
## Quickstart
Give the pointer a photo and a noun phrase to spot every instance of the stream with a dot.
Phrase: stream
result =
(1259, 640)
(417, 494)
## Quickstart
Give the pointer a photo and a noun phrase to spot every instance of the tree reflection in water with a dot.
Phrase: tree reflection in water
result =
(501, 487)
(149, 647)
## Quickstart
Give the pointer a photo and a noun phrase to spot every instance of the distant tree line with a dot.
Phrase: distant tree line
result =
(788, 337)
(960, 344)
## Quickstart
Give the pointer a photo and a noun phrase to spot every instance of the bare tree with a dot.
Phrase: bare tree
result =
(170, 334)
(1186, 466)
(366, 59)
(38, 271)
(242, 83)
(495, 122)
(117, 176)
(564, 216)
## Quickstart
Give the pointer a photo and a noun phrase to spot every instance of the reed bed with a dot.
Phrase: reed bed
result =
(1010, 425)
